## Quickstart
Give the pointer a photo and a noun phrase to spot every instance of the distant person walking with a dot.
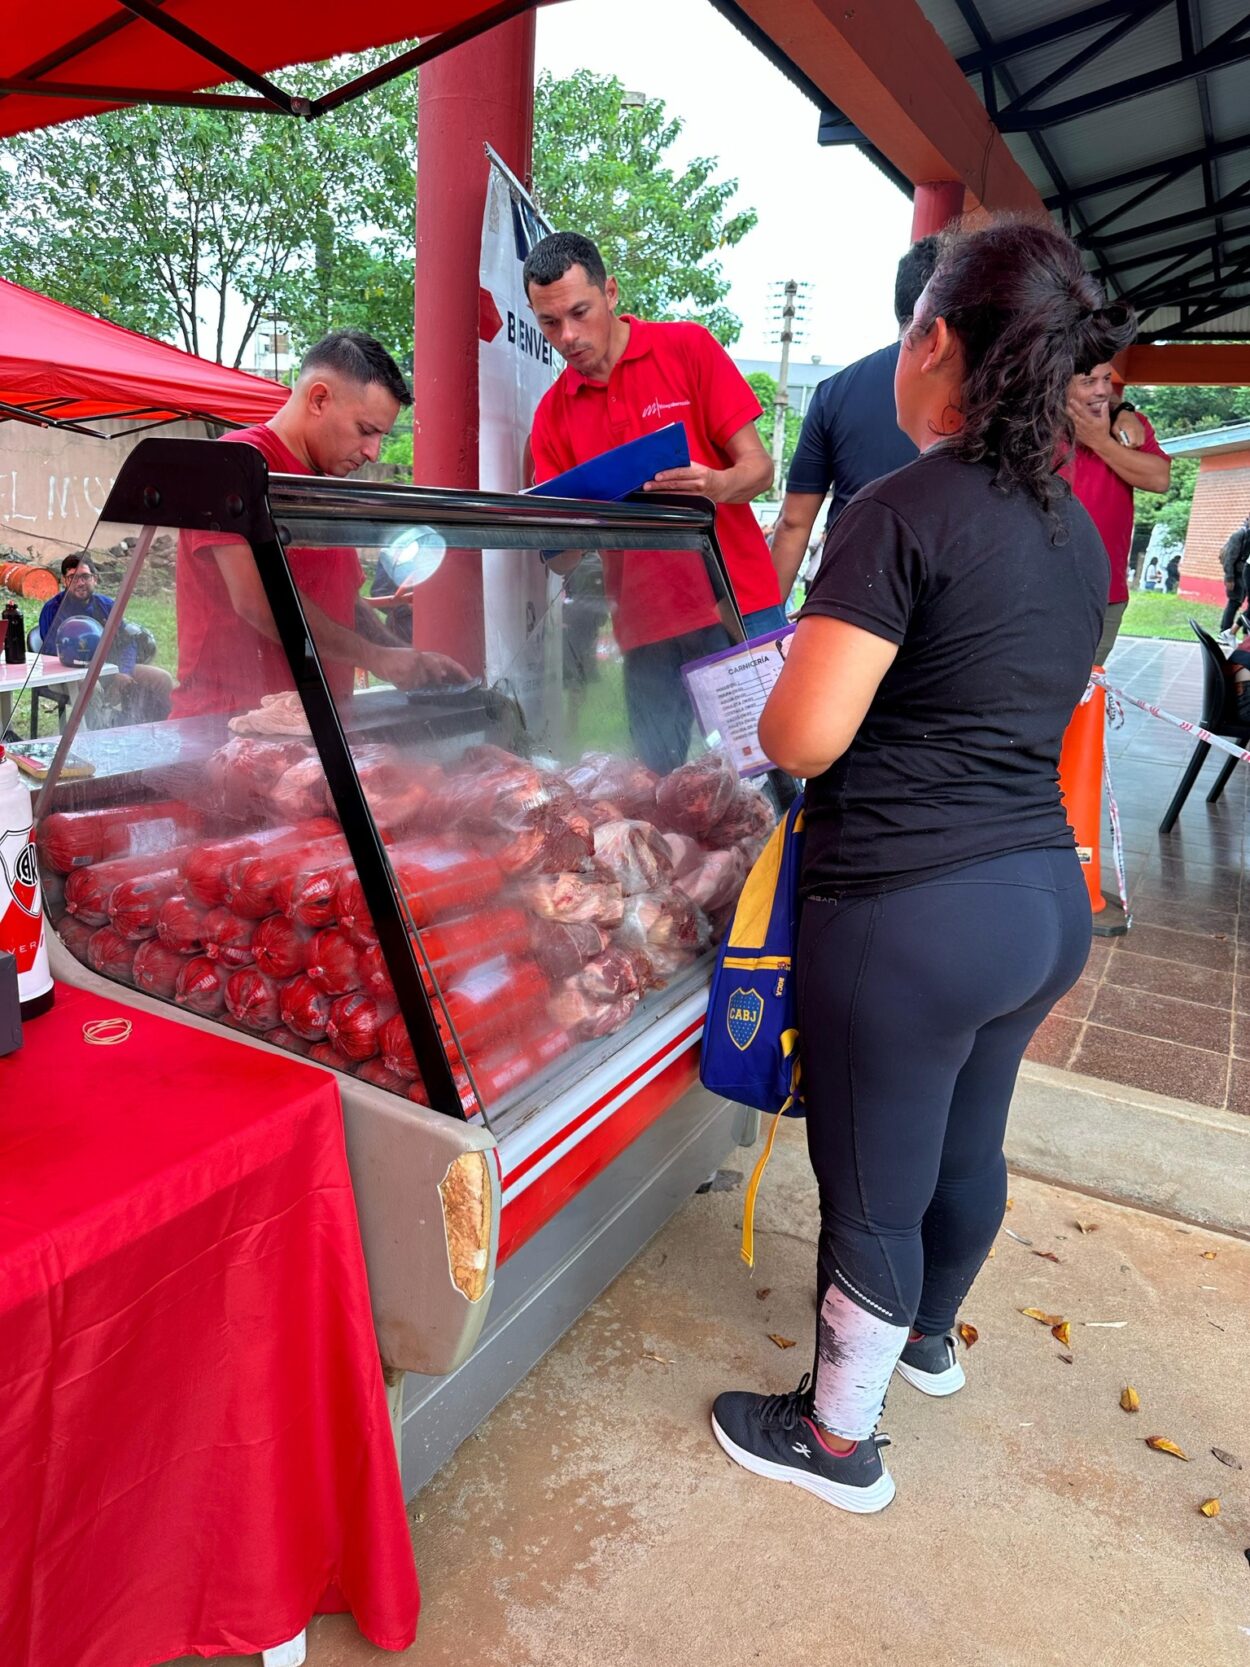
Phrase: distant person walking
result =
(1233, 559)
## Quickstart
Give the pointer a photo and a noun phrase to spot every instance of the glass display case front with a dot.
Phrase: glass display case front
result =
(419, 792)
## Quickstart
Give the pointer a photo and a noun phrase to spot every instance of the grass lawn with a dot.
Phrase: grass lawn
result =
(1153, 613)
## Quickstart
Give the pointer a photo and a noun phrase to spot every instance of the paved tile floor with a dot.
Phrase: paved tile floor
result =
(1166, 1007)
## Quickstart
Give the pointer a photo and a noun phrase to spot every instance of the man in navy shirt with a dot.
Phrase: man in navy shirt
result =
(850, 434)
(143, 691)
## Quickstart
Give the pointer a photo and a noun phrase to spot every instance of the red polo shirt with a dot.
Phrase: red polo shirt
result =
(223, 664)
(1108, 500)
(667, 373)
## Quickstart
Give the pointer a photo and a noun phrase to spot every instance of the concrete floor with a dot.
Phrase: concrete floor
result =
(592, 1522)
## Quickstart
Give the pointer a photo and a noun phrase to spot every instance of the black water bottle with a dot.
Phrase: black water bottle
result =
(14, 635)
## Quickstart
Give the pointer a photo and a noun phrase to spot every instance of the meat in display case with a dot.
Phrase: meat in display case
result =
(432, 810)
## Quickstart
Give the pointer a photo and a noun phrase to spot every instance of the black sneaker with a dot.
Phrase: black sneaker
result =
(774, 1436)
(929, 1364)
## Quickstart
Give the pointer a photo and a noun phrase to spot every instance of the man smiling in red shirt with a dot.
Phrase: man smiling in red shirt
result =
(625, 378)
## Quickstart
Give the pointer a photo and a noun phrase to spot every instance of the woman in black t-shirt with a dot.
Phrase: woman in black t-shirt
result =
(943, 647)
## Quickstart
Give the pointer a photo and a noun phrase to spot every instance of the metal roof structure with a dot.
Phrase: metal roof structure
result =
(1131, 120)
(1209, 442)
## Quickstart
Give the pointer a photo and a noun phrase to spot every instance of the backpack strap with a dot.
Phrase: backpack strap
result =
(789, 1043)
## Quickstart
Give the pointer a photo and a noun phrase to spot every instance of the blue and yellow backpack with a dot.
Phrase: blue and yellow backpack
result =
(751, 1036)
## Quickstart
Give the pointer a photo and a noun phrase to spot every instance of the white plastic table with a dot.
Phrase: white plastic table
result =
(38, 672)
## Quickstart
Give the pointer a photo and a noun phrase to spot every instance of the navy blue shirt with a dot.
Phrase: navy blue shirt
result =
(97, 607)
(850, 433)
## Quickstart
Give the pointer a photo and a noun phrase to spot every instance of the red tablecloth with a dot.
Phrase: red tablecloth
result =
(195, 1453)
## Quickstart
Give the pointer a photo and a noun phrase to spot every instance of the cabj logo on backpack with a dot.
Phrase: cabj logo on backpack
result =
(751, 1037)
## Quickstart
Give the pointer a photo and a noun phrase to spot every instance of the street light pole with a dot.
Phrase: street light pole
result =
(792, 309)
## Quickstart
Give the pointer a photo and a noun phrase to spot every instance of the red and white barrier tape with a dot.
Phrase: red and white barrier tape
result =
(1220, 741)
(1115, 718)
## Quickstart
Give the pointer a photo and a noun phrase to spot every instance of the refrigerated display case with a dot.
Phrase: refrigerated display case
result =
(433, 811)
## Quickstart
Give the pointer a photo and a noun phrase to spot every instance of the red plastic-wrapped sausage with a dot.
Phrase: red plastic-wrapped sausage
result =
(180, 925)
(253, 999)
(374, 1071)
(325, 1053)
(287, 1040)
(278, 946)
(355, 1021)
(305, 1009)
(201, 986)
(89, 891)
(204, 867)
(75, 935)
(374, 976)
(71, 839)
(438, 881)
(253, 883)
(228, 938)
(459, 944)
(396, 1048)
(500, 998)
(111, 954)
(332, 961)
(135, 904)
(156, 969)
(307, 892)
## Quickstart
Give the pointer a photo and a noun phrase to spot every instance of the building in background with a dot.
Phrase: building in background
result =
(803, 379)
(1221, 503)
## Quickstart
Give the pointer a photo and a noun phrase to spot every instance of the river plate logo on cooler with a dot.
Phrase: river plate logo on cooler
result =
(20, 921)
(746, 1010)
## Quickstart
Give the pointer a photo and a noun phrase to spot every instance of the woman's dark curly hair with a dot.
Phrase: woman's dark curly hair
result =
(1029, 317)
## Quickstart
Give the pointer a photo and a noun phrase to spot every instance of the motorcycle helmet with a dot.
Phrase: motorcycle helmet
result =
(77, 639)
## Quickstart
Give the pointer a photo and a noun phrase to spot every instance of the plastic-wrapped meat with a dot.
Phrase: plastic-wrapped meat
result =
(278, 946)
(749, 820)
(308, 892)
(301, 790)
(71, 839)
(635, 854)
(562, 947)
(664, 920)
(717, 880)
(332, 961)
(436, 880)
(374, 1071)
(228, 939)
(497, 998)
(684, 853)
(205, 867)
(609, 976)
(396, 1050)
(693, 798)
(286, 1039)
(135, 904)
(409, 798)
(252, 883)
(352, 912)
(375, 978)
(156, 969)
(494, 792)
(627, 783)
(242, 775)
(355, 1021)
(583, 1017)
(111, 954)
(573, 897)
(460, 944)
(180, 925)
(201, 986)
(89, 891)
(325, 1053)
(75, 935)
(554, 840)
(305, 1009)
(253, 1000)
(667, 963)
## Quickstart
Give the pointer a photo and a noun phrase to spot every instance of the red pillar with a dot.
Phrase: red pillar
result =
(479, 93)
(935, 204)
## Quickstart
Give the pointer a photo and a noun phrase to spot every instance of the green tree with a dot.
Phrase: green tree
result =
(600, 168)
(764, 387)
(1175, 411)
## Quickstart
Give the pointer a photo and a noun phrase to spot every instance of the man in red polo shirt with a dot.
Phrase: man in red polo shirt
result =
(1104, 472)
(624, 378)
(344, 403)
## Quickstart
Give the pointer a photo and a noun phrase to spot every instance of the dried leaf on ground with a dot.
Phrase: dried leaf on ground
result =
(764, 1291)
(781, 1342)
(1042, 1317)
(1086, 1226)
(1161, 1444)
(1011, 1203)
(1047, 1255)
(1225, 1457)
(1130, 1400)
(1209, 1255)
(1210, 1507)
(650, 1354)
(968, 1334)
(1062, 1333)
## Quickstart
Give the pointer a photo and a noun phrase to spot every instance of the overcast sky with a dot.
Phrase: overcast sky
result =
(826, 214)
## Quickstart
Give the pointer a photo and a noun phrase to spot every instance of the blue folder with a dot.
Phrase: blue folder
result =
(615, 474)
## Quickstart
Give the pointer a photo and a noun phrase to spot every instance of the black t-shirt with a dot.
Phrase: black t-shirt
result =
(850, 434)
(997, 626)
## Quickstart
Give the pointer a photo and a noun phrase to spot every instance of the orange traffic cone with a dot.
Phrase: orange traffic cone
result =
(1080, 783)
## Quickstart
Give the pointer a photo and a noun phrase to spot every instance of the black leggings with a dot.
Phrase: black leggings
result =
(915, 1008)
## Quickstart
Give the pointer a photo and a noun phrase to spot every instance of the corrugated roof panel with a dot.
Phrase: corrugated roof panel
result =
(1151, 44)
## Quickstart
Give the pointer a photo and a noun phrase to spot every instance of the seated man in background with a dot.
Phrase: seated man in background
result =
(141, 691)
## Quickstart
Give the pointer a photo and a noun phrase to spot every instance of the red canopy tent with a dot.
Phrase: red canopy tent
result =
(61, 368)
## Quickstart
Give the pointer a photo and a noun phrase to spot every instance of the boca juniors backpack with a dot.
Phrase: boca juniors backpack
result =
(750, 1036)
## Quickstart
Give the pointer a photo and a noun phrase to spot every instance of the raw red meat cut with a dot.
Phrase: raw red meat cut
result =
(305, 1009)
(635, 855)
(693, 798)
(286, 1039)
(667, 963)
(562, 947)
(111, 954)
(70, 839)
(180, 925)
(301, 790)
(717, 880)
(75, 935)
(201, 986)
(156, 969)
(375, 976)
(228, 939)
(553, 840)
(455, 946)
(374, 1071)
(325, 1053)
(252, 882)
(332, 961)
(609, 976)
(204, 867)
(253, 999)
(355, 1021)
(628, 784)
(664, 920)
(411, 799)
(135, 904)
(684, 853)
(573, 897)
(278, 946)
(242, 775)
(583, 1018)
(748, 820)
